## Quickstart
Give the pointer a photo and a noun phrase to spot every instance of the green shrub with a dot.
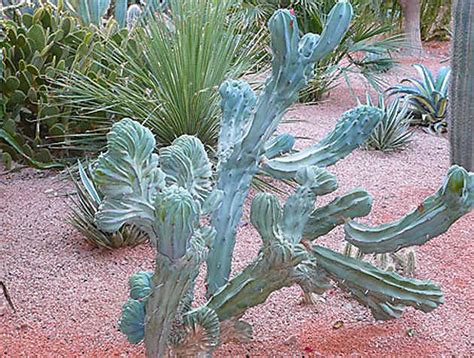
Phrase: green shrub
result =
(168, 79)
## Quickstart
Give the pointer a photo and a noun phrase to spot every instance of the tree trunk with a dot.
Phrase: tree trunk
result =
(411, 25)
(461, 111)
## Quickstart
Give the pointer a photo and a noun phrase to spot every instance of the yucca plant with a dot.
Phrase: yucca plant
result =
(427, 96)
(392, 133)
(168, 80)
(85, 207)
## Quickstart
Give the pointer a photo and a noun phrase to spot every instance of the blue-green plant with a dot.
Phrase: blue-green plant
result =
(427, 96)
(392, 133)
(84, 208)
(461, 109)
(96, 11)
(187, 209)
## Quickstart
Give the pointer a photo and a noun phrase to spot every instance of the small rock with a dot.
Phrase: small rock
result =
(49, 191)
(290, 341)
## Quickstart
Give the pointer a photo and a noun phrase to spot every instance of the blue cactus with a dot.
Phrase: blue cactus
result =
(187, 209)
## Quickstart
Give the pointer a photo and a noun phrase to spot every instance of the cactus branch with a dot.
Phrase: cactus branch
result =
(385, 293)
(430, 219)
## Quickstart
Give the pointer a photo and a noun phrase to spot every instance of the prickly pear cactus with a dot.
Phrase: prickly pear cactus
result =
(36, 49)
(188, 209)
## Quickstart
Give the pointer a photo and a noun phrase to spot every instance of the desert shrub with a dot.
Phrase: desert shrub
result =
(168, 79)
(392, 133)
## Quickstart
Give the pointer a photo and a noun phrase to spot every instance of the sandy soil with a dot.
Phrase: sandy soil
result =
(68, 294)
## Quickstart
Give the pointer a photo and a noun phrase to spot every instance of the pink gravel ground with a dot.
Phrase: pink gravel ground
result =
(68, 294)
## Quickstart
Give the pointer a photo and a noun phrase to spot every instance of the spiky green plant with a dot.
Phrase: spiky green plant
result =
(85, 207)
(427, 96)
(392, 133)
(168, 79)
(187, 210)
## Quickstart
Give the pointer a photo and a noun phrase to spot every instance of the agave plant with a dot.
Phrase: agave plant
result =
(84, 209)
(427, 96)
(392, 133)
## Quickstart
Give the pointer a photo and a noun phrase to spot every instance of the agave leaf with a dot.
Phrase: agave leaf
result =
(88, 184)
(442, 82)
(427, 77)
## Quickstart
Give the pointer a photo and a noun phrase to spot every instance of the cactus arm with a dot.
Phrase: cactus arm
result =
(279, 145)
(271, 271)
(385, 293)
(432, 218)
(356, 203)
(333, 31)
(350, 132)
(128, 176)
(313, 181)
(265, 216)
(292, 67)
(238, 102)
(171, 283)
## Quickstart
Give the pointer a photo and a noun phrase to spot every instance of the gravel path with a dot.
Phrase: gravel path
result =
(68, 295)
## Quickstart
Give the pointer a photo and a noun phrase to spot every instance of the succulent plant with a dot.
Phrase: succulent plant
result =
(461, 109)
(95, 11)
(37, 49)
(392, 133)
(427, 96)
(84, 209)
(187, 210)
(35, 46)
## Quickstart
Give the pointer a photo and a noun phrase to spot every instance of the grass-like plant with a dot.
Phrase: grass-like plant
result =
(427, 96)
(392, 133)
(168, 74)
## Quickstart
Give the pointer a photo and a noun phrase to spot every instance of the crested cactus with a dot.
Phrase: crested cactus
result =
(174, 199)
(461, 110)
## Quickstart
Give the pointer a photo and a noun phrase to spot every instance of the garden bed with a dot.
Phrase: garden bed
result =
(68, 294)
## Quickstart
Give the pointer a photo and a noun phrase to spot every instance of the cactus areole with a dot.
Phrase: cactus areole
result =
(190, 212)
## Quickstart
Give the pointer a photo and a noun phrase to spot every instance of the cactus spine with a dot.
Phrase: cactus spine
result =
(461, 111)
